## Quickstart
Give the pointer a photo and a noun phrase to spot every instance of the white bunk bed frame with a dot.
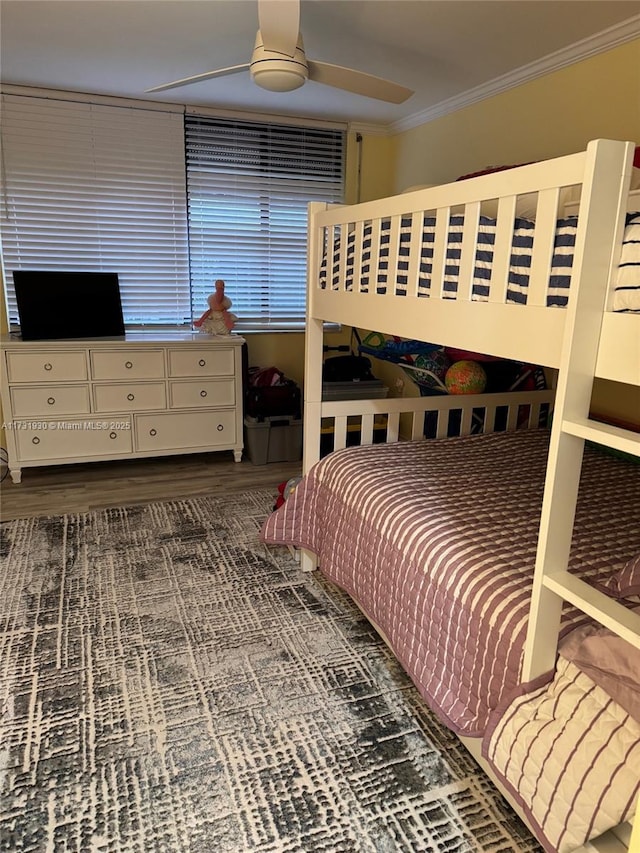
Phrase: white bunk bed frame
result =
(583, 341)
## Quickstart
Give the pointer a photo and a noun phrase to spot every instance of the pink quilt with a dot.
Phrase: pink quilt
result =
(435, 540)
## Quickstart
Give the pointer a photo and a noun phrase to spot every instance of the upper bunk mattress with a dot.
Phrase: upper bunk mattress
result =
(436, 541)
(387, 270)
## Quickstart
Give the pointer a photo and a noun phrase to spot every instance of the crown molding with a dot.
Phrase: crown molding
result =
(370, 129)
(605, 40)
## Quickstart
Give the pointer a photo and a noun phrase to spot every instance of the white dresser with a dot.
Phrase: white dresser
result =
(142, 395)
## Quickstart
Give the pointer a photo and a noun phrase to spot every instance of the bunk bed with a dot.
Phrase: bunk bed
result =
(462, 551)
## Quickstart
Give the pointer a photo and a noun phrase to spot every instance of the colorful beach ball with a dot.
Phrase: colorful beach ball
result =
(431, 369)
(465, 377)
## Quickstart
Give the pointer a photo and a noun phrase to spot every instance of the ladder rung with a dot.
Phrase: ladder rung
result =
(619, 619)
(605, 434)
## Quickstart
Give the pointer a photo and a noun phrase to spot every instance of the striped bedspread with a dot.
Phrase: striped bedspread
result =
(436, 540)
(385, 277)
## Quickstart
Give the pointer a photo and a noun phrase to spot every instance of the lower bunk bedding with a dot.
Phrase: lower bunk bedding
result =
(435, 540)
(560, 747)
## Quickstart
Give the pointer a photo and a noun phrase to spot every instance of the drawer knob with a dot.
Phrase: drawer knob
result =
(202, 362)
(220, 427)
(35, 440)
(113, 435)
(203, 393)
(128, 365)
(51, 401)
(48, 366)
(153, 432)
(131, 397)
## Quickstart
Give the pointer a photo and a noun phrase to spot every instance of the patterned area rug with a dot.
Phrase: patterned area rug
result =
(170, 685)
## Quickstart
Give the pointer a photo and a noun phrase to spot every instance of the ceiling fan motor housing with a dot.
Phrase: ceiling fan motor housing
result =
(277, 72)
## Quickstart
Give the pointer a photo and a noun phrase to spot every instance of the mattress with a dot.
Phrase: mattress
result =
(436, 542)
(386, 276)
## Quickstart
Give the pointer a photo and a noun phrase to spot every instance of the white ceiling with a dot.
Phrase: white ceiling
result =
(446, 50)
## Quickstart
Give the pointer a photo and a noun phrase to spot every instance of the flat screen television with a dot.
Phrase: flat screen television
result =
(54, 305)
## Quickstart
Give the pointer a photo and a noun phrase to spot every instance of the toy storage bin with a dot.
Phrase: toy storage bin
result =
(273, 439)
(268, 402)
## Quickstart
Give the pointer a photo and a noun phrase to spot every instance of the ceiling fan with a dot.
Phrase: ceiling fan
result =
(279, 64)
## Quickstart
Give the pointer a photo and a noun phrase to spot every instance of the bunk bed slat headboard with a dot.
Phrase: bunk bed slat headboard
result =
(421, 247)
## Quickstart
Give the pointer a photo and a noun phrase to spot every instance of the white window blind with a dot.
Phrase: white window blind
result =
(248, 188)
(98, 188)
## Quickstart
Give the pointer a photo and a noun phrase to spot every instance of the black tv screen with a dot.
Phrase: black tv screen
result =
(54, 305)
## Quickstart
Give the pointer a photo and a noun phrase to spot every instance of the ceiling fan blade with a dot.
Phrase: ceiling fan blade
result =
(279, 23)
(357, 82)
(208, 75)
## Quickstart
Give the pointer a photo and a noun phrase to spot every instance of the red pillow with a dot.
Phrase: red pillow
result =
(490, 169)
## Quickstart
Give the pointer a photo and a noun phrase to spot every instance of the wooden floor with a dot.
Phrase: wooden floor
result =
(79, 488)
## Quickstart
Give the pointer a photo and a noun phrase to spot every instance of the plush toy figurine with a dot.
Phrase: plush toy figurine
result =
(284, 490)
(217, 319)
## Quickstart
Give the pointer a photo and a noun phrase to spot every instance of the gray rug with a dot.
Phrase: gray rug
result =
(170, 685)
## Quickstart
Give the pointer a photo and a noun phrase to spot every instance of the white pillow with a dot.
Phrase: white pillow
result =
(526, 204)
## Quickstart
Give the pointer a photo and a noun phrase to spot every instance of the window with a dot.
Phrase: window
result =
(248, 188)
(96, 187)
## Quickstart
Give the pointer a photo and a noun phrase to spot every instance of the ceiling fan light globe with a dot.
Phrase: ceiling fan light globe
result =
(279, 76)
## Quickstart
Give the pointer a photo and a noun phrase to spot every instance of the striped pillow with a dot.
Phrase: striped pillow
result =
(627, 581)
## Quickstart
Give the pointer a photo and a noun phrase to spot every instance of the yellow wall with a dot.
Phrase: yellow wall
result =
(554, 115)
(376, 171)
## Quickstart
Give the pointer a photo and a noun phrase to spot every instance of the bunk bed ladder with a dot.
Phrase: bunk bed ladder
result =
(599, 228)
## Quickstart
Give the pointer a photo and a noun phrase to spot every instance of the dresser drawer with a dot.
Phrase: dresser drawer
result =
(205, 362)
(74, 439)
(127, 364)
(204, 392)
(46, 366)
(126, 397)
(48, 400)
(171, 430)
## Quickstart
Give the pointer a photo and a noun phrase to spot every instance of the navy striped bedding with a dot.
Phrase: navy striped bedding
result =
(395, 280)
(626, 296)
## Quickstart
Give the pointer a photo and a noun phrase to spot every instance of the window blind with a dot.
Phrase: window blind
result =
(248, 188)
(98, 188)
